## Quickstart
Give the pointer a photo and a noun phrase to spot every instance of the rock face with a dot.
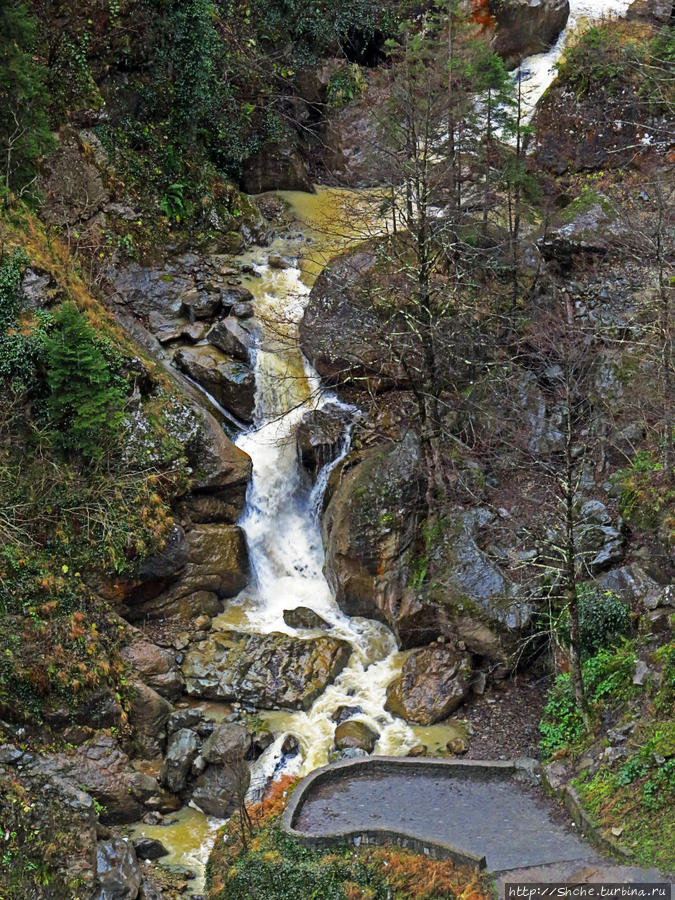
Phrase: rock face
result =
(338, 331)
(268, 671)
(229, 381)
(433, 683)
(104, 771)
(218, 568)
(525, 27)
(319, 436)
(221, 788)
(276, 167)
(353, 735)
(369, 524)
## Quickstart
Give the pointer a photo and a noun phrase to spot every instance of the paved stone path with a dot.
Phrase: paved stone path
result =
(500, 817)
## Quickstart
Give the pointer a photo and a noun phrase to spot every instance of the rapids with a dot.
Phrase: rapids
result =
(281, 517)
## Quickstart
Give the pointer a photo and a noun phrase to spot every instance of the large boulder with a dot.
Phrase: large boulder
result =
(341, 333)
(267, 671)
(218, 568)
(104, 771)
(525, 27)
(156, 666)
(221, 789)
(234, 337)
(221, 475)
(227, 744)
(355, 735)
(369, 524)
(433, 683)
(148, 716)
(181, 752)
(304, 617)
(119, 872)
(229, 381)
(72, 185)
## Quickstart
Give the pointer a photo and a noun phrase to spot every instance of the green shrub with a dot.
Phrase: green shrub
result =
(645, 491)
(86, 401)
(561, 724)
(603, 619)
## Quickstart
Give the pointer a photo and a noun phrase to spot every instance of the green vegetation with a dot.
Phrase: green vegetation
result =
(78, 498)
(24, 128)
(612, 57)
(603, 617)
(607, 679)
(86, 400)
(268, 865)
(647, 493)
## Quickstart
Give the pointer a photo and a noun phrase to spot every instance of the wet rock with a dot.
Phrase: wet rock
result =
(234, 338)
(119, 872)
(230, 382)
(417, 750)
(219, 790)
(148, 291)
(228, 743)
(353, 734)
(149, 848)
(525, 27)
(290, 745)
(433, 683)
(169, 561)
(369, 524)
(268, 671)
(261, 741)
(242, 310)
(184, 718)
(9, 755)
(200, 305)
(319, 437)
(276, 167)
(156, 666)
(181, 752)
(148, 716)
(458, 745)
(218, 568)
(303, 617)
(343, 713)
(599, 535)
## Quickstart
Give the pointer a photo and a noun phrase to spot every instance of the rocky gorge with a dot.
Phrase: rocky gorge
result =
(288, 596)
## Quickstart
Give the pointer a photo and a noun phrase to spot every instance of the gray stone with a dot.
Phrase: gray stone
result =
(228, 743)
(268, 671)
(219, 790)
(355, 735)
(149, 848)
(230, 382)
(119, 873)
(525, 27)
(181, 752)
(234, 338)
(303, 617)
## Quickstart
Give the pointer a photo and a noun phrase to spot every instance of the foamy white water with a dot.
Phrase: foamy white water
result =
(538, 71)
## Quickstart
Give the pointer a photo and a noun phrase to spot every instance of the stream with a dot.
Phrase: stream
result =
(281, 516)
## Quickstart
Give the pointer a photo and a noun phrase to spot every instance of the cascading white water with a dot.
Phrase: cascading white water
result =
(537, 72)
(284, 537)
(281, 518)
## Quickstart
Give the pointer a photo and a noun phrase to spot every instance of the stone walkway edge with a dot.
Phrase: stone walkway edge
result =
(474, 769)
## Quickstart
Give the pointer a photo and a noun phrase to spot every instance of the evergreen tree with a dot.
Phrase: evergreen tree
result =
(85, 403)
(24, 129)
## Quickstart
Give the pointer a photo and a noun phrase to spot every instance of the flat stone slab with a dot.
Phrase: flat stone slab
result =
(474, 809)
